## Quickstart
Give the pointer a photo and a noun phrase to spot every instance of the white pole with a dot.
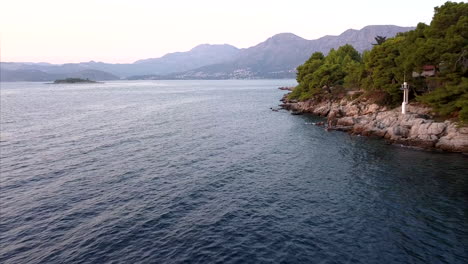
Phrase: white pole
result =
(406, 92)
(405, 98)
(407, 95)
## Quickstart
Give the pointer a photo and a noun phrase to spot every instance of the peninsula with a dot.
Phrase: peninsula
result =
(363, 93)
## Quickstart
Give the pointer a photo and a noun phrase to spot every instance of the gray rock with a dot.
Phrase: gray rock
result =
(414, 129)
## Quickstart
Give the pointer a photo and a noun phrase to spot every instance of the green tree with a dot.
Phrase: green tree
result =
(320, 73)
(382, 70)
(446, 46)
(305, 75)
(450, 99)
(311, 65)
(379, 40)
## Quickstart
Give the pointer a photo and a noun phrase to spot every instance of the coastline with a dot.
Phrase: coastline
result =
(416, 128)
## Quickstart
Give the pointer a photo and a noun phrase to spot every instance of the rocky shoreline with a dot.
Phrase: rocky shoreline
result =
(416, 128)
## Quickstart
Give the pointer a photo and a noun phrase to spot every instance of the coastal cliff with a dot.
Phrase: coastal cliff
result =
(416, 128)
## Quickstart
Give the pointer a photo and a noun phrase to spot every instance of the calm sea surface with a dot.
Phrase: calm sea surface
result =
(205, 172)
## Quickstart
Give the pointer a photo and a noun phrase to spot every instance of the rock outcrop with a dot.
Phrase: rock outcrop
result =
(416, 128)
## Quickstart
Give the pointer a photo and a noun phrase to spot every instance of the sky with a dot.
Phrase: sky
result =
(123, 31)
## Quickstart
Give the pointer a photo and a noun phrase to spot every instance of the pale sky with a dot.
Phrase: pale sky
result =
(60, 31)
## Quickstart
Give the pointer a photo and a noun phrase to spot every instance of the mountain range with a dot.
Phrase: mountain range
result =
(276, 57)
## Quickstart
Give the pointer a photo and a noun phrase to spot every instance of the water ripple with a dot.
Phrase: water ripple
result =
(205, 172)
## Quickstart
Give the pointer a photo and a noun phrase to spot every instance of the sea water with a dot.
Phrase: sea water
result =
(206, 172)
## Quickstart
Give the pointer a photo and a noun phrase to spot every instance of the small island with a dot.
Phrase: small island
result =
(74, 80)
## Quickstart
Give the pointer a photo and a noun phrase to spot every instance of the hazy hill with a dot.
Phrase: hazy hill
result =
(27, 75)
(360, 39)
(199, 56)
(32, 75)
(277, 53)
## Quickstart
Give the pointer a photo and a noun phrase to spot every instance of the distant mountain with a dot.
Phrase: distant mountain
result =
(26, 75)
(360, 39)
(279, 56)
(274, 54)
(199, 56)
(31, 75)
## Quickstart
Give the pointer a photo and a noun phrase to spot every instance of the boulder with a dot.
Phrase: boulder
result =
(345, 121)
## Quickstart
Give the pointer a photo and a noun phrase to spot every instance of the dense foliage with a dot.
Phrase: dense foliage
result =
(442, 45)
(324, 73)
